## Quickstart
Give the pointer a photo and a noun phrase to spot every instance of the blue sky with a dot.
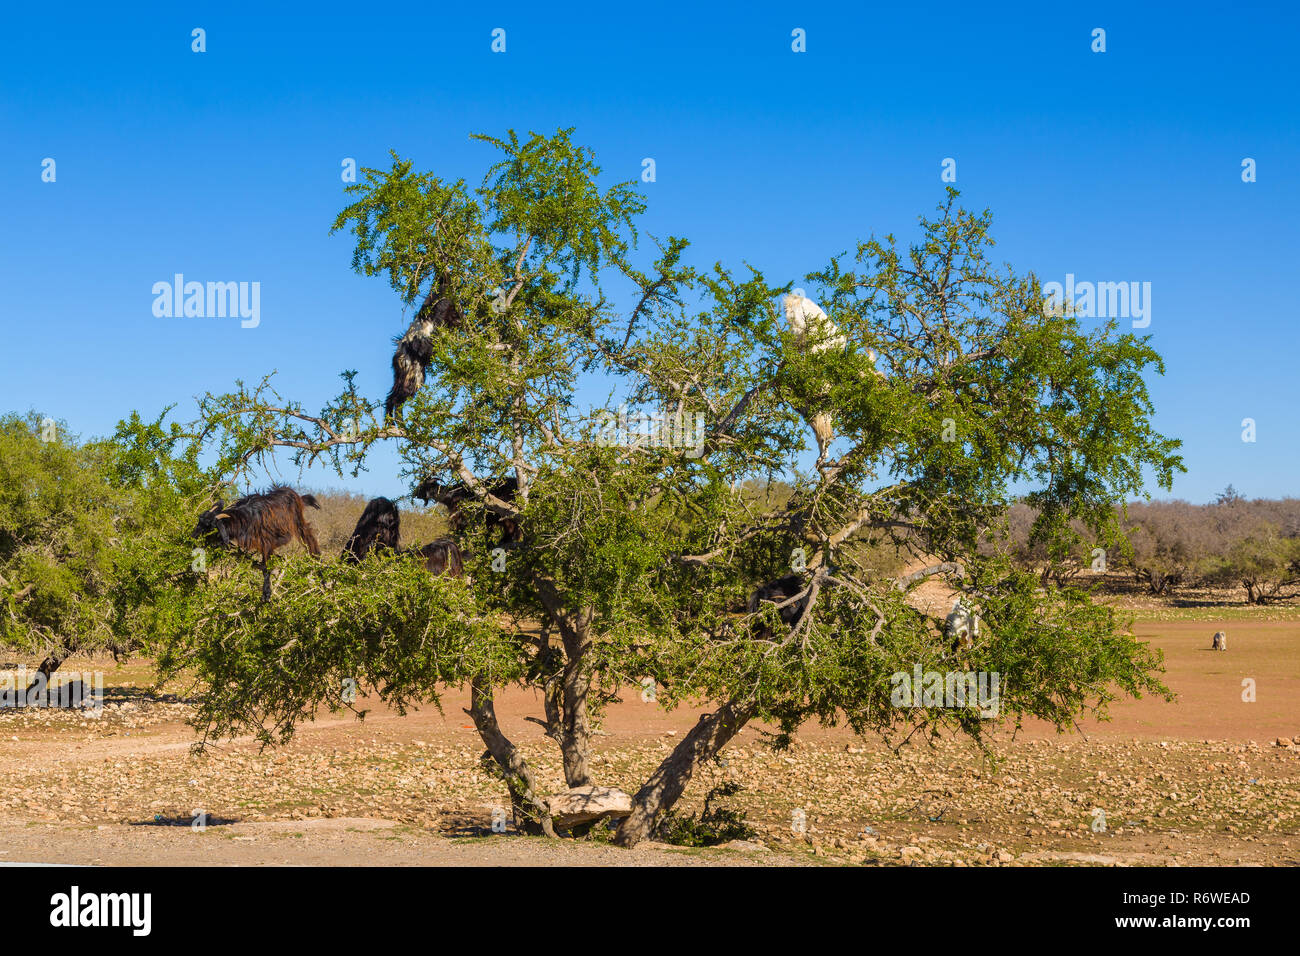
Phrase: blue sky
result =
(1115, 166)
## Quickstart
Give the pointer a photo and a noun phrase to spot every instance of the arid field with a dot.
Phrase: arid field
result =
(1209, 779)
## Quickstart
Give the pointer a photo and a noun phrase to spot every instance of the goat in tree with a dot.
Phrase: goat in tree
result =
(779, 592)
(379, 528)
(415, 348)
(962, 625)
(441, 557)
(810, 324)
(260, 524)
(454, 497)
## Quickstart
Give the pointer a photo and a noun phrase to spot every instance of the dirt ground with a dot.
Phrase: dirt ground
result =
(1210, 779)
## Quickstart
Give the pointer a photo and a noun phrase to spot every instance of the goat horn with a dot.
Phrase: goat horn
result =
(220, 516)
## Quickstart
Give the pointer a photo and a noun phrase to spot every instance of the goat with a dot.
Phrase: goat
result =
(260, 524)
(962, 625)
(454, 497)
(1220, 642)
(441, 557)
(379, 527)
(415, 348)
(807, 321)
(778, 592)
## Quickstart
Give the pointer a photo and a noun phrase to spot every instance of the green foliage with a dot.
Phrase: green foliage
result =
(91, 534)
(334, 631)
(714, 824)
(1266, 564)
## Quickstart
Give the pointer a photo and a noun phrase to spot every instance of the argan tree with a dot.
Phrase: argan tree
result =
(643, 546)
(91, 535)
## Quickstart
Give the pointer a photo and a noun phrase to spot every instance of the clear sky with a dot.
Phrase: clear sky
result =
(225, 166)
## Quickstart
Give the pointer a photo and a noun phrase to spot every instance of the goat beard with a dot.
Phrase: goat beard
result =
(415, 348)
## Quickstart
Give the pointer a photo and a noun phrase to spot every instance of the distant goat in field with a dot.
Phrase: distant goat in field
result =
(1220, 642)
(454, 497)
(415, 348)
(380, 528)
(260, 524)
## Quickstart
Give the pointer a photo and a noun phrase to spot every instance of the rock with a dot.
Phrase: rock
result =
(584, 804)
(1002, 856)
(745, 846)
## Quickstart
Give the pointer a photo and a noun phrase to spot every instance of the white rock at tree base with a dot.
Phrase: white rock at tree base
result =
(584, 804)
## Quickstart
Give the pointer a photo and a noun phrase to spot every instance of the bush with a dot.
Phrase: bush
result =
(1266, 564)
(91, 535)
(713, 826)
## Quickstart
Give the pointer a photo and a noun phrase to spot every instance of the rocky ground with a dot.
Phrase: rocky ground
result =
(125, 788)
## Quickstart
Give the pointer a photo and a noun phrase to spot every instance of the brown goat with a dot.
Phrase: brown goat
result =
(260, 524)
(441, 557)
(778, 592)
(379, 527)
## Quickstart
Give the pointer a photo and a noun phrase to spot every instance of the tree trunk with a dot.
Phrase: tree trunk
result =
(48, 666)
(530, 813)
(575, 732)
(574, 724)
(668, 782)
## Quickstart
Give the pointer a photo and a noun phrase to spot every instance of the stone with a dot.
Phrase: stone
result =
(585, 804)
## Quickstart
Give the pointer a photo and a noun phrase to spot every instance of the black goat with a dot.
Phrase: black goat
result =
(379, 527)
(260, 524)
(415, 348)
(454, 497)
(778, 592)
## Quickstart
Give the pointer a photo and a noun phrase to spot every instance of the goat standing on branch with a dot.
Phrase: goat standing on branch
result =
(962, 625)
(454, 498)
(379, 527)
(813, 328)
(781, 592)
(260, 524)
